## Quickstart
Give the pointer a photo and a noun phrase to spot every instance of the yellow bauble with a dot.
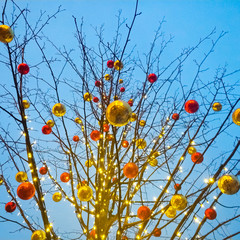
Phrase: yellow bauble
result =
(108, 77)
(87, 97)
(89, 163)
(1, 180)
(192, 150)
(120, 81)
(50, 123)
(236, 116)
(26, 104)
(229, 184)
(118, 65)
(85, 193)
(153, 162)
(155, 154)
(38, 235)
(141, 143)
(142, 123)
(57, 197)
(78, 120)
(21, 177)
(118, 113)
(6, 34)
(133, 117)
(59, 110)
(179, 202)
(217, 107)
(171, 212)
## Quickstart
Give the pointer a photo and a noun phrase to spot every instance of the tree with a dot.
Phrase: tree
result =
(128, 155)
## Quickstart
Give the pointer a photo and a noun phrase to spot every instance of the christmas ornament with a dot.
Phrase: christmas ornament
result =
(43, 170)
(1, 180)
(26, 104)
(89, 163)
(110, 63)
(171, 212)
(65, 177)
(236, 116)
(122, 89)
(179, 202)
(105, 127)
(152, 78)
(217, 107)
(142, 123)
(191, 106)
(133, 117)
(59, 110)
(108, 77)
(78, 120)
(120, 81)
(210, 214)
(175, 116)
(93, 234)
(110, 137)
(192, 150)
(97, 83)
(23, 68)
(96, 99)
(87, 97)
(75, 138)
(177, 187)
(125, 143)
(39, 235)
(228, 184)
(118, 65)
(155, 154)
(95, 135)
(130, 102)
(157, 232)
(6, 34)
(46, 129)
(50, 123)
(130, 170)
(21, 177)
(197, 157)
(141, 143)
(26, 191)
(85, 193)
(153, 162)
(57, 197)
(10, 207)
(143, 212)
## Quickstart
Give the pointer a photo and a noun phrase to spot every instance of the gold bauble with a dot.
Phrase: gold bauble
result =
(171, 212)
(118, 65)
(133, 117)
(236, 116)
(141, 143)
(1, 180)
(38, 235)
(6, 34)
(50, 123)
(85, 193)
(142, 123)
(192, 150)
(153, 162)
(217, 107)
(26, 104)
(21, 177)
(108, 77)
(59, 110)
(57, 197)
(118, 113)
(87, 97)
(179, 202)
(89, 163)
(155, 154)
(120, 81)
(78, 120)
(228, 184)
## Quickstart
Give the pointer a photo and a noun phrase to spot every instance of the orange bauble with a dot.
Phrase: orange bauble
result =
(177, 187)
(43, 170)
(144, 212)
(95, 135)
(210, 214)
(130, 170)
(125, 143)
(191, 106)
(75, 138)
(26, 190)
(157, 232)
(105, 127)
(65, 177)
(197, 157)
(93, 234)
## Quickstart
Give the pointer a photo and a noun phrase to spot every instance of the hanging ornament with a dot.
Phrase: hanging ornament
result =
(155, 154)
(39, 235)
(97, 83)
(143, 212)
(57, 197)
(118, 113)
(157, 232)
(6, 34)
(210, 214)
(236, 116)
(108, 77)
(110, 63)
(191, 106)
(26, 104)
(46, 129)
(228, 184)
(179, 202)
(87, 97)
(96, 99)
(125, 143)
(110, 137)
(118, 65)
(130, 102)
(197, 157)
(153, 162)
(171, 212)
(115, 98)
(105, 127)
(177, 187)
(26, 191)
(65, 177)
(141, 143)
(78, 120)
(23, 68)
(10, 207)
(152, 78)
(85, 193)
(95, 135)
(175, 116)
(93, 234)
(217, 107)
(1, 180)
(142, 123)
(43, 170)
(122, 89)
(21, 177)
(89, 163)
(76, 138)
(59, 110)
(192, 150)
(130, 170)
(50, 123)
(120, 81)
(133, 117)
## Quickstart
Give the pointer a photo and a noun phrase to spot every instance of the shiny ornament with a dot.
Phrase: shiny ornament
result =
(130, 170)
(87, 97)
(155, 154)
(57, 197)
(157, 232)
(93, 235)
(141, 143)
(43, 170)
(175, 116)
(142, 123)
(46, 129)
(1, 180)
(59, 110)
(197, 157)
(192, 150)
(6, 34)
(95, 135)
(85, 193)
(153, 162)
(120, 81)
(23, 68)
(152, 78)
(228, 184)
(110, 137)
(105, 127)
(143, 212)
(125, 143)
(76, 138)
(89, 163)
(10, 207)
(110, 63)
(96, 99)
(210, 214)
(50, 123)
(26, 191)
(21, 177)
(191, 106)
(108, 77)
(115, 98)
(177, 187)
(133, 117)
(97, 83)
(118, 113)
(65, 177)
(118, 65)
(26, 104)
(236, 116)
(122, 89)
(130, 102)
(39, 235)
(217, 107)
(78, 120)
(171, 212)
(179, 202)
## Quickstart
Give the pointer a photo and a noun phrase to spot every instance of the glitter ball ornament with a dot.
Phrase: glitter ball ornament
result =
(43, 170)
(59, 110)
(105, 127)
(21, 177)
(197, 157)
(118, 113)
(191, 106)
(133, 117)
(179, 202)
(26, 104)
(157, 232)
(110, 63)
(125, 143)
(118, 65)
(120, 81)
(87, 97)
(10, 207)
(153, 162)
(210, 214)
(46, 129)
(192, 150)
(152, 78)
(143, 212)
(130, 102)
(177, 187)
(130, 170)
(6, 34)
(236, 116)
(96, 99)
(95, 135)
(76, 138)
(171, 212)
(57, 197)
(39, 235)
(85, 193)
(175, 116)
(122, 89)
(228, 184)
(65, 177)
(78, 120)
(97, 83)
(108, 77)
(23, 68)
(142, 123)
(26, 191)
(217, 107)
(50, 123)
(141, 143)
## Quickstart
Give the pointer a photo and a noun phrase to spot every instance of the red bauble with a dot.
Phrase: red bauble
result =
(130, 170)
(130, 102)
(26, 190)
(97, 83)
(65, 177)
(95, 135)
(10, 207)
(191, 106)
(143, 212)
(105, 127)
(210, 213)
(46, 129)
(125, 143)
(122, 89)
(23, 68)
(157, 232)
(110, 64)
(197, 157)
(152, 78)
(175, 116)
(75, 138)
(43, 170)
(177, 187)
(96, 99)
